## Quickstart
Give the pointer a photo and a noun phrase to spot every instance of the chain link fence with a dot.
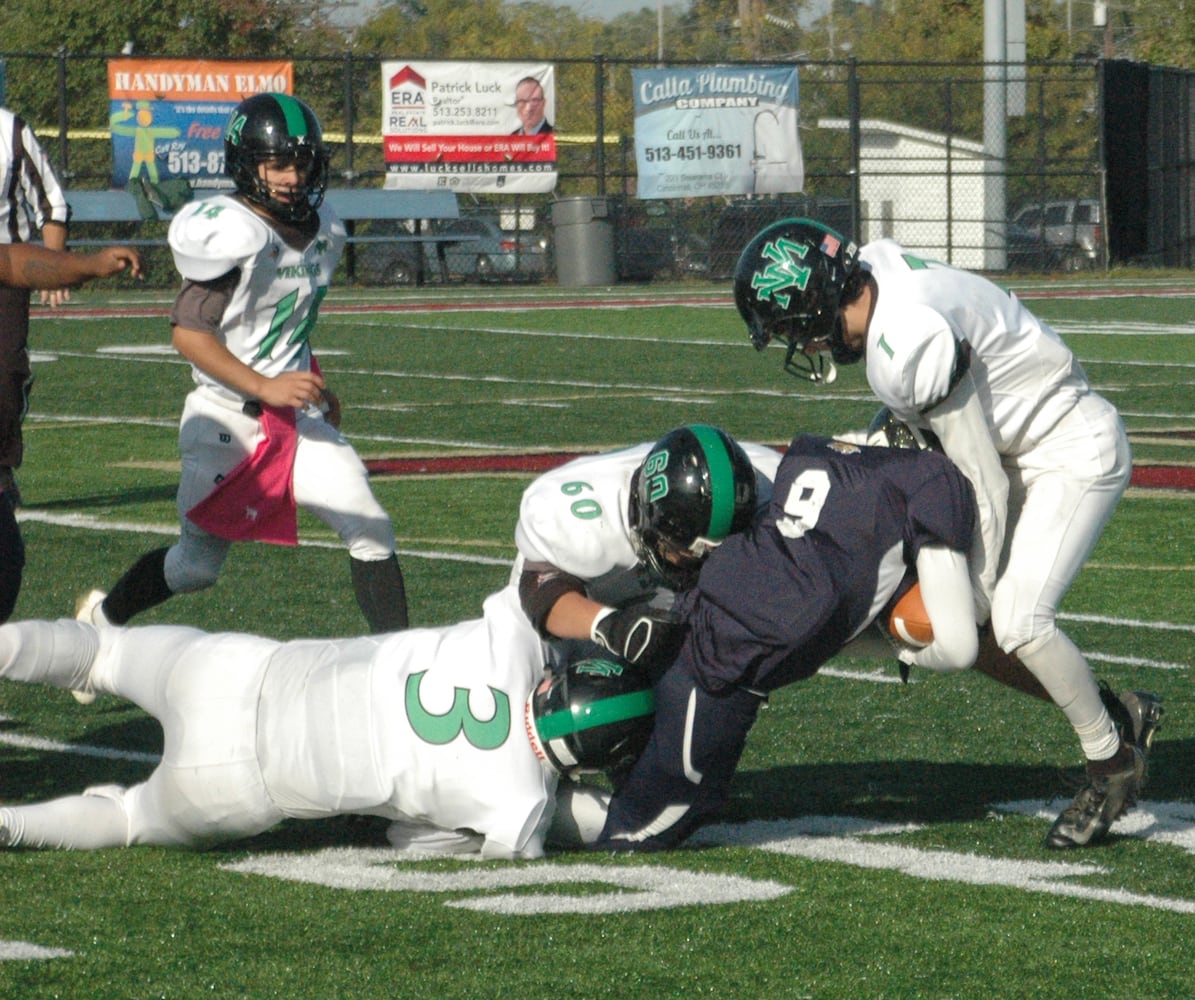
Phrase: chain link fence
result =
(911, 151)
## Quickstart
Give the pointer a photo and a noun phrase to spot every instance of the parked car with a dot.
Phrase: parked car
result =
(476, 247)
(473, 248)
(1070, 227)
(1026, 250)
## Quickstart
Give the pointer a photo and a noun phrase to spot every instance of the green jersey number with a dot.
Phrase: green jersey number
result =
(485, 734)
(585, 508)
(284, 312)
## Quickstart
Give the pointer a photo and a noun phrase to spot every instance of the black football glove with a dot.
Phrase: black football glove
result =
(640, 634)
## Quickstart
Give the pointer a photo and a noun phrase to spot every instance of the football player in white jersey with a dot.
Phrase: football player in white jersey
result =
(454, 734)
(259, 433)
(951, 353)
(601, 536)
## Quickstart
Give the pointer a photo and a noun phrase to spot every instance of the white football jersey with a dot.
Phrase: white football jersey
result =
(424, 727)
(278, 290)
(1026, 376)
(576, 518)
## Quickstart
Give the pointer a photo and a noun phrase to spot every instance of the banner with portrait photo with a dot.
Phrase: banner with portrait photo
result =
(167, 116)
(718, 130)
(469, 126)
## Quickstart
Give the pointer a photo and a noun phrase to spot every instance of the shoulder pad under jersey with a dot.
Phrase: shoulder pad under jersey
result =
(911, 371)
(214, 236)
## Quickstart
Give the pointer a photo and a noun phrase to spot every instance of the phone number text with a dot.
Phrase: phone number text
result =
(711, 151)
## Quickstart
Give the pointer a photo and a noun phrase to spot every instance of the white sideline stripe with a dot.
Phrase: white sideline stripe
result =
(1135, 661)
(79, 749)
(872, 676)
(1130, 622)
(21, 951)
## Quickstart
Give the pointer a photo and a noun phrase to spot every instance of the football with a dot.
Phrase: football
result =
(908, 622)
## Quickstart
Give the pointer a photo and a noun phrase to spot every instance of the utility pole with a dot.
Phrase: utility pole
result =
(749, 26)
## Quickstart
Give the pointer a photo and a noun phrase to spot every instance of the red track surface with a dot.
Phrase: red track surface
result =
(1161, 477)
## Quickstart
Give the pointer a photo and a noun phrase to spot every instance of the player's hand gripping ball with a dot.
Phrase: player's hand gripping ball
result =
(908, 622)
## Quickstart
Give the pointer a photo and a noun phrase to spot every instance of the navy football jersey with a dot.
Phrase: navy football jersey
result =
(843, 528)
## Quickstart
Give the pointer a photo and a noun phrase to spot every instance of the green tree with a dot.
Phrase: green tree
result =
(1162, 33)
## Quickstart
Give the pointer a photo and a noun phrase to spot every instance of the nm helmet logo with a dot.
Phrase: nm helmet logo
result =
(602, 668)
(785, 272)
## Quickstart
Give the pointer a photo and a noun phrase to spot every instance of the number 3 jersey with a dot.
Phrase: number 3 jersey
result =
(845, 524)
(424, 727)
(260, 282)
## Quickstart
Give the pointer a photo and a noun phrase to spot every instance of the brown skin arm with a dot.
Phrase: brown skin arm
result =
(572, 616)
(26, 265)
(53, 237)
(209, 355)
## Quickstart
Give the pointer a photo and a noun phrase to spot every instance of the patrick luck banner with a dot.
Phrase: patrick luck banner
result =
(469, 126)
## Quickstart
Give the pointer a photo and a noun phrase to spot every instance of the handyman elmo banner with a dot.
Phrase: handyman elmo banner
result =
(469, 126)
(167, 116)
(717, 130)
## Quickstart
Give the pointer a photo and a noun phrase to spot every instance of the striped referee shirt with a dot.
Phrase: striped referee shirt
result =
(30, 195)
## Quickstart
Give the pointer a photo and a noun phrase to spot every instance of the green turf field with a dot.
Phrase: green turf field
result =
(882, 841)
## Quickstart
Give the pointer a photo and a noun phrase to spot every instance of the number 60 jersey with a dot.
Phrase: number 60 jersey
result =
(576, 518)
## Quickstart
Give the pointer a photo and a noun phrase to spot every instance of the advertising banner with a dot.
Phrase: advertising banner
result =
(167, 116)
(718, 130)
(469, 126)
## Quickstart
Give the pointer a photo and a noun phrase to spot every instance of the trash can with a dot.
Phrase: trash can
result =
(584, 242)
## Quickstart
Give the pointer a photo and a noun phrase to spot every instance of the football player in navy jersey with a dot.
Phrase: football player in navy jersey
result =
(845, 527)
(950, 353)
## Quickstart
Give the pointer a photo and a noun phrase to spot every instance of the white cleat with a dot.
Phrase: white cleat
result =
(89, 608)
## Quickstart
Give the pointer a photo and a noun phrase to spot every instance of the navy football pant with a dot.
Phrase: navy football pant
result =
(683, 777)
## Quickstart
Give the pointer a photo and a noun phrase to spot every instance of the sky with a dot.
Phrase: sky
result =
(604, 9)
(607, 9)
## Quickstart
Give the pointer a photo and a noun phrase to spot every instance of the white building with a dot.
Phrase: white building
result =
(926, 191)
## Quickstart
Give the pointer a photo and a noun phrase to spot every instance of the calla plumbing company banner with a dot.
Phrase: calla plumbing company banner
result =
(167, 116)
(456, 125)
(717, 131)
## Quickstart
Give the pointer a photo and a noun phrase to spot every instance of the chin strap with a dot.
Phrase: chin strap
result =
(814, 367)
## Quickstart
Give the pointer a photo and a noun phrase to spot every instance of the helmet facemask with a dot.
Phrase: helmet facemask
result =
(305, 198)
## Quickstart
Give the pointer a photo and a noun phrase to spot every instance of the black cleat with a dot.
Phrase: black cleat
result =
(1145, 711)
(1100, 802)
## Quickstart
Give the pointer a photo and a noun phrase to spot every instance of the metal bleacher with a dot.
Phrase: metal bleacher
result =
(353, 205)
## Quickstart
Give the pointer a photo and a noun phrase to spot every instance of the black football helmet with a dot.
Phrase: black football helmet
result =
(595, 715)
(789, 284)
(886, 431)
(277, 127)
(695, 487)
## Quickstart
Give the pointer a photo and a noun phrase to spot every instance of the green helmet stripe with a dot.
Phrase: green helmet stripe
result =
(717, 460)
(296, 122)
(617, 708)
